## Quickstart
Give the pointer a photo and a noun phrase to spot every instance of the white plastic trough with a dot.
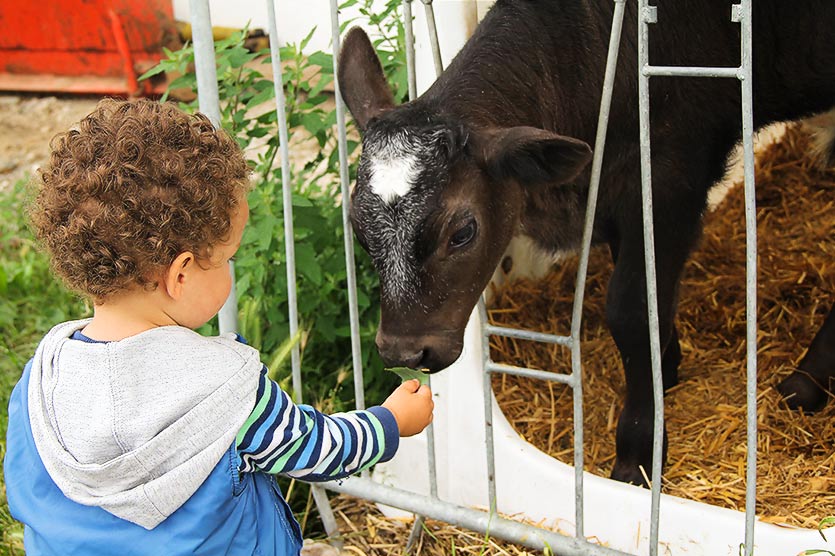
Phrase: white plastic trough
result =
(530, 484)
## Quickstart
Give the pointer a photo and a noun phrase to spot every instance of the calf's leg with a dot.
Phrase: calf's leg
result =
(812, 384)
(627, 318)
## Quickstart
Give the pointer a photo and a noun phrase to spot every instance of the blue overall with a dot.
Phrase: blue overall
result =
(230, 514)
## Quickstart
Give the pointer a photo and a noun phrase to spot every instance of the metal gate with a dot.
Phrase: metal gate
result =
(432, 506)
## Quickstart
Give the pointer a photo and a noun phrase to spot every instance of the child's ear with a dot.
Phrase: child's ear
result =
(175, 275)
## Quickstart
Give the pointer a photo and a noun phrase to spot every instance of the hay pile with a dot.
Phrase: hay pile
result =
(706, 412)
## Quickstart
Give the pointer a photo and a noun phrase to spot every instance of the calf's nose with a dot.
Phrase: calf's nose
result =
(398, 352)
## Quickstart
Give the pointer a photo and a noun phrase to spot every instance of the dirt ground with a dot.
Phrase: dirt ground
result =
(27, 123)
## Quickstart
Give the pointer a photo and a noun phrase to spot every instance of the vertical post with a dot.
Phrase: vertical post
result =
(433, 36)
(286, 196)
(582, 269)
(488, 410)
(411, 72)
(742, 14)
(646, 15)
(209, 104)
(350, 267)
(319, 495)
(408, 25)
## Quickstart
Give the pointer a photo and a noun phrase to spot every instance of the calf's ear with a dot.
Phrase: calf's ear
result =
(530, 155)
(361, 79)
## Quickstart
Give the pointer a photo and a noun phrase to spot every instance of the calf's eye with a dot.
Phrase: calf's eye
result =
(463, 236)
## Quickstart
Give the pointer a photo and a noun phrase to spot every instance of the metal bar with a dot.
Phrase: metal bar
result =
(204, 60)
(647, 15)
(475, 520)
(582, 269)
(414, 534)
(209, 104)
(287, 197)
(430, 430)
(433, 36)
(350, 266)
(742, 12)
(492, 367)
(408, 25)
(319, 496)
(323, 505)
(521, 334)
(488, 409)
(680, 71)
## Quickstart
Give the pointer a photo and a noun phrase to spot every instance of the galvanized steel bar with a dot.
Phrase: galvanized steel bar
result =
(204, 60)
(492, 367)
(409, 27)
(433, 36)
(487, 391)
(350, 265)
(430, 430)
(646, 15)
(521, 334)
(411, 74)
(678, 71)
(209, 104)
(475, 520)
(582, 269)
(742, 13)
(287, 198)
(320, 497)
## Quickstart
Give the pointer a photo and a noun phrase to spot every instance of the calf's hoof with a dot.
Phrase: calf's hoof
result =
(800, 391)
(629, 472)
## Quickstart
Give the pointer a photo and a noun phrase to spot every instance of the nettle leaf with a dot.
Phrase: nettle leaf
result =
(307, 263)
(323, 60)
(405, 373)
(265, 230)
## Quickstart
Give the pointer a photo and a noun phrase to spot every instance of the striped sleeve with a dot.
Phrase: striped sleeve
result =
(299, 441)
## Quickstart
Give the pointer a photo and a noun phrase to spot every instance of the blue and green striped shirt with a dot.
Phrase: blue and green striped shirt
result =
(299, 441)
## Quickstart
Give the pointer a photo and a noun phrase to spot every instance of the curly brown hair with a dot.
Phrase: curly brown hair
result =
(136, 184)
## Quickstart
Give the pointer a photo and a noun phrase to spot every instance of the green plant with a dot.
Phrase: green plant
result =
(248, 112)
(825, 522)
(31, 302)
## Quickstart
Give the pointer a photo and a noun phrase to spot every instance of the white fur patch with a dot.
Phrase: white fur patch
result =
(392, 178)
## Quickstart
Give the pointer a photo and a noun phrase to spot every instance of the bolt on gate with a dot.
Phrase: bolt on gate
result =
(432, 505)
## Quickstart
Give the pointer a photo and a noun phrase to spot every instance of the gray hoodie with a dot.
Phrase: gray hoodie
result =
(135, 426)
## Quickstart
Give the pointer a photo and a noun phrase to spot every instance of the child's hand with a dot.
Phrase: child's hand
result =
(412, 407)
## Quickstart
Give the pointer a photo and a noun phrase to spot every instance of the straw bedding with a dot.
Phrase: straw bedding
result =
(705, 413)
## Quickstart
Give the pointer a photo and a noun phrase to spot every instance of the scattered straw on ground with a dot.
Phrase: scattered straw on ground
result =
(366, 532)
(705, 413)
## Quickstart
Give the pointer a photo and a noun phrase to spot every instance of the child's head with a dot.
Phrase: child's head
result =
(137, 184)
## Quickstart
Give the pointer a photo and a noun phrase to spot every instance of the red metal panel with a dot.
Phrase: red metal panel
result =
(80, 38)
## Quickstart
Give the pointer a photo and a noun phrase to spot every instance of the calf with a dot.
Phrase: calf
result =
(498, 146)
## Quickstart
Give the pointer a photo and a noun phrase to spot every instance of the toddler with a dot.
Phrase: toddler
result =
(129, 433)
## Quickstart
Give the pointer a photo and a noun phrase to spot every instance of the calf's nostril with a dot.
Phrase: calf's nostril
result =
(413, 361)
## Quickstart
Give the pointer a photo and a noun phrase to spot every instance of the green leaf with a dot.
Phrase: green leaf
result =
(825, 522)
(405, 373)
(151, 72)
(323, 60)
(281, 354)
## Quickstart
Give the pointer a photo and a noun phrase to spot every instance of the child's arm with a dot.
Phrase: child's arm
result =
(299, 441)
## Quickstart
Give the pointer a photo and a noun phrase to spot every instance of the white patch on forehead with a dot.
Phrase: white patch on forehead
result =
(392, 178)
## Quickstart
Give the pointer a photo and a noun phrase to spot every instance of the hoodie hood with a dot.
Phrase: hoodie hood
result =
(135, 426)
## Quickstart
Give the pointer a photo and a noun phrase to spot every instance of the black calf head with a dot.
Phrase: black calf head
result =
(436, 202)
